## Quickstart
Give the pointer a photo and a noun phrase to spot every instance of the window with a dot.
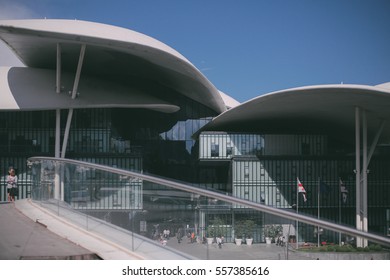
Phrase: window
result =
(214, 150)
(229, 151)
(229, 148)
(246, 170)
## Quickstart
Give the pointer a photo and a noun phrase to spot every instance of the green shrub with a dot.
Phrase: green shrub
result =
(350, 248)
(273, 231)
(323, 249)
(344, 249)
(215, 228)
(375, 247)
(360, 249)
(331, 248)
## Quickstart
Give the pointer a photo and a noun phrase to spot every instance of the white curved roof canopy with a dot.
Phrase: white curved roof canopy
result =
(328, 109)
(24, 88)
(117, 55)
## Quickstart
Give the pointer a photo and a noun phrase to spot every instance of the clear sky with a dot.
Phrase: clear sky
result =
(248, 47)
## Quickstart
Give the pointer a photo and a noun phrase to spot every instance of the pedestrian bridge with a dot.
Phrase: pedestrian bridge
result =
(89, 198)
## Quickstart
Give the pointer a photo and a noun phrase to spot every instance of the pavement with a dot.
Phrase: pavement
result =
(231, 251)
(22, 238)
(50, 230)
(31, 230)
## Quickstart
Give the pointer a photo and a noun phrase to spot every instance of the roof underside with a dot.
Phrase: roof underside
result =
(117, 55)
(326, 110)
(24, 88)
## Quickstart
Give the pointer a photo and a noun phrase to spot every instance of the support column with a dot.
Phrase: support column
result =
(66, 133)
(58, 111)
(357, 174)
(375, 141)
(57, 147)
(59, 187)
(362, 172)
(58, 69)
(364, 180)
(74, 94)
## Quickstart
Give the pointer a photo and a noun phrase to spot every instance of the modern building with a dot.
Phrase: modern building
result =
(334, 138)
(112, 96)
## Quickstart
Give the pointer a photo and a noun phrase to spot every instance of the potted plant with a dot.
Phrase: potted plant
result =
(210, 234)
(272, 232)
(214, 229)
(244, 229)
(249, 227)
(238, 232)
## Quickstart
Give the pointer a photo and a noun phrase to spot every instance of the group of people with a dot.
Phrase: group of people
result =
(181, 233)
(280, 241)
(163, 236)
(12, 184)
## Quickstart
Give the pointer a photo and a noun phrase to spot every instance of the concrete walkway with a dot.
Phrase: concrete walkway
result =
(25, 219)
(22, 238)
(30, 231)
(35, 232)
(230, 251)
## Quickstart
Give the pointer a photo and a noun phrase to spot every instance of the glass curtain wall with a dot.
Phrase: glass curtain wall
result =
(133, 139)
(265, 169)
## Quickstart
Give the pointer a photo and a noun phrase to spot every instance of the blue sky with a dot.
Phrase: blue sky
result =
(249, 47)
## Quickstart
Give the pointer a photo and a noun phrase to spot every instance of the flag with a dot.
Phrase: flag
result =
(301, 189)
(344, 191)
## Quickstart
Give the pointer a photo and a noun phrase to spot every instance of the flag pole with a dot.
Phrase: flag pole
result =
(296, 232)
(340, 197)
(318, 210)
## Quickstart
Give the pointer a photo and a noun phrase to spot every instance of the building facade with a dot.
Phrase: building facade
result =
(137, 104)
(264, 169)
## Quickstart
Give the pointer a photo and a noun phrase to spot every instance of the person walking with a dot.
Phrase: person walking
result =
(179, 235)
(12, 185)
(220, 241)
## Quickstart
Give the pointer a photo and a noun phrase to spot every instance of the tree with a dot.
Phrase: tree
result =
(244, 228)
(273, 231)
(215, 227)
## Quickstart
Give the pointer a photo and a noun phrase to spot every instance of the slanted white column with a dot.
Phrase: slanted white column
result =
(59, 187)
(74, 93)
(375, 141)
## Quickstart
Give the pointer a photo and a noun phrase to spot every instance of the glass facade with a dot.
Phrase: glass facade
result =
(132, 139)
(265, 168)
(169, 230)
(257, 167)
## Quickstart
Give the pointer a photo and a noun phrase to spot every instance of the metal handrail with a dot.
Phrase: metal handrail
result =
(264, 208)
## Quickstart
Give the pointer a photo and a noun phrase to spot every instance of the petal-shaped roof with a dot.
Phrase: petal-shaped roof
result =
(115, 54)
(24, 88)
(321, 109)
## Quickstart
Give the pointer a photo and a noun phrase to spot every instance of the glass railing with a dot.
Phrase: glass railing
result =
(156, 217)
